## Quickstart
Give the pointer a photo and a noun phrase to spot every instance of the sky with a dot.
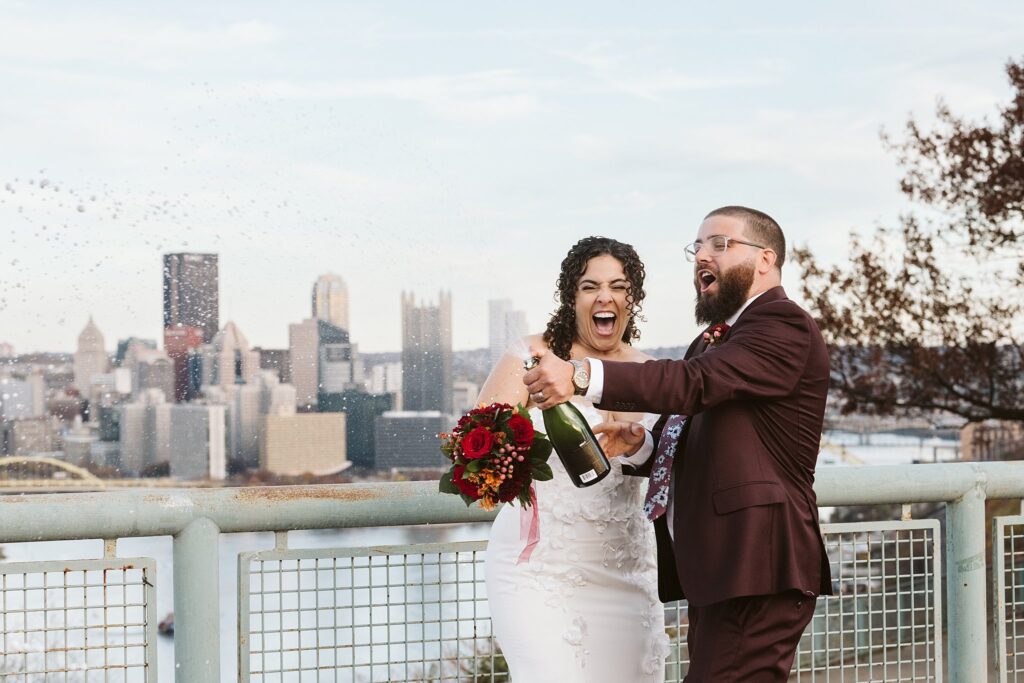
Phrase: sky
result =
(452, 145)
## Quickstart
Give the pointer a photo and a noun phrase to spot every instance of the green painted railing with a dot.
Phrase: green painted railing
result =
(196, 517)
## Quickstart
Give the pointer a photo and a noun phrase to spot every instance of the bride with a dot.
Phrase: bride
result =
(572, 582)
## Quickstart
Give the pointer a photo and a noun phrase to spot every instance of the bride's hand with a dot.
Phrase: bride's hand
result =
(620, 438)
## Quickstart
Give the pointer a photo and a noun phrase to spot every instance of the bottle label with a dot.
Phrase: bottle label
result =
(589, 475)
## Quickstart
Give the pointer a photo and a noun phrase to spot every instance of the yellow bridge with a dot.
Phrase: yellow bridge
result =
(38, 474)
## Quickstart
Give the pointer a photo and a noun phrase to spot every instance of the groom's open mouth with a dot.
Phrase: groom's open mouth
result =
(604, 322)
(705, 278)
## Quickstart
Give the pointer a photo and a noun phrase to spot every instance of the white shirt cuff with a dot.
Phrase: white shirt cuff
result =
(596, 388)
(642, 455)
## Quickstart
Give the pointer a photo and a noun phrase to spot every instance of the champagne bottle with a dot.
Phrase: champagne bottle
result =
(574, 442)
(576, 445)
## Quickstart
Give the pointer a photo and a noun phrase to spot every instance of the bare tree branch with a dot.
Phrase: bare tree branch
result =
(927, 315)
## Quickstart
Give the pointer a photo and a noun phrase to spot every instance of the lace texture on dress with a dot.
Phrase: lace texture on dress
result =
(602, 526)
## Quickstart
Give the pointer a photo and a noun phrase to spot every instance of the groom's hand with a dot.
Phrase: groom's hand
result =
(620, 438)
(550, 382)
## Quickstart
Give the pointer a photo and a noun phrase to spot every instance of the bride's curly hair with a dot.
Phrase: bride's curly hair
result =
(561, 329)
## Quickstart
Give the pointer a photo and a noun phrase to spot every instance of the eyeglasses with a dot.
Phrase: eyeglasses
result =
(716, 244)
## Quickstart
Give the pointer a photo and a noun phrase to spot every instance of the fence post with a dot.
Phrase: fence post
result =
(965, 587)
(197, 603)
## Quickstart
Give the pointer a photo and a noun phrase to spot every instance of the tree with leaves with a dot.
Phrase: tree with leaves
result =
(926, 316)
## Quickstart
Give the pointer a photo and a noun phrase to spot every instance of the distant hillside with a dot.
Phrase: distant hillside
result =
(41, 358)
(473, 365)
(669, 352)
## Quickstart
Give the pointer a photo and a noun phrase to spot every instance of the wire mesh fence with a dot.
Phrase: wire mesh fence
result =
(419, 613)
(81, 621)
(409, 613)
(884, 621)
(1008, 595)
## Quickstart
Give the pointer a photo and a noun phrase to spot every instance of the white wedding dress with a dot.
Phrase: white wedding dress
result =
(584, 607)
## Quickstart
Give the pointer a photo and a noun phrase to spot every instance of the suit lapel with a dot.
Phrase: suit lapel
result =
(697, 347)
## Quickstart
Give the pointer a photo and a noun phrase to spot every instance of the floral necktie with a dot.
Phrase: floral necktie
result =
(656, 501)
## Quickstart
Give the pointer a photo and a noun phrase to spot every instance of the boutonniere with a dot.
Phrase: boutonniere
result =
(715, 334)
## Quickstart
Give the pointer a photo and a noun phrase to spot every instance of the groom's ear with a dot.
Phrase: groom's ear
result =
(766, 261)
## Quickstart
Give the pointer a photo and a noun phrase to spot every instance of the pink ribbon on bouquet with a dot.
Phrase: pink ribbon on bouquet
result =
(529, 527)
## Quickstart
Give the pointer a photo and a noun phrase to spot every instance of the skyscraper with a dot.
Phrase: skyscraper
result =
(409, 439)
(386, 378)
(228, 360)
(321, 360)
(304, 361)
(463, 396)
(361, 410)
(263, 395)
(198, 435)
(37, 384)
(16, 399)
(78, 441)
(427, 354)
(191, 292)
(144, 431)
(124, 345)
(31, 436)
(179, 341)
(313, 443)
(155, 371)
(507, 326)
(341, 368)
(330, 300)
(147, 368)
(90, 357)
(277, 361)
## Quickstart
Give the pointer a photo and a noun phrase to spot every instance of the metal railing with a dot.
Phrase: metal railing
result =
(302, 609)
(1008, 596)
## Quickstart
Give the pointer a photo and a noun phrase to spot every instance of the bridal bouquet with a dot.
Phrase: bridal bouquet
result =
(496, 454)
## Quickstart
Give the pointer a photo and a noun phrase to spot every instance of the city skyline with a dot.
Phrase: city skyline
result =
(427, 353)
(419, 149)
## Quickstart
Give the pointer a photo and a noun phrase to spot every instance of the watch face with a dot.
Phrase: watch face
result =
(580, 377)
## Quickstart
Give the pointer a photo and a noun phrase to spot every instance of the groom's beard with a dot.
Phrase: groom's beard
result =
(733, 287)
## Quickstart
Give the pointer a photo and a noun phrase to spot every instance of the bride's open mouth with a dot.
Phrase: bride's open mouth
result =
(604, 323)
(705, 278)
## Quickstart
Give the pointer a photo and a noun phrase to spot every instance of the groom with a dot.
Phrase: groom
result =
(730, 492)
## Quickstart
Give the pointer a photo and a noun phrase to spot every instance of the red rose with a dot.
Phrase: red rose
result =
(477, 443)
(465, 485)
(522, 430)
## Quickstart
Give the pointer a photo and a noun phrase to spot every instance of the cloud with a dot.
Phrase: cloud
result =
(799, 140)
(482, 96)
(126, 41)
(971, 87)
(630, 203)
(592, 148)
(631, 72)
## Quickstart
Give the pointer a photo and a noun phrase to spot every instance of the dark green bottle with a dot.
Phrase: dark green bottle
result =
(576, 445)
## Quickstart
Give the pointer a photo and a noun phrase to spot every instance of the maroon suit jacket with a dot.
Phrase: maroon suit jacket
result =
(745, 514)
